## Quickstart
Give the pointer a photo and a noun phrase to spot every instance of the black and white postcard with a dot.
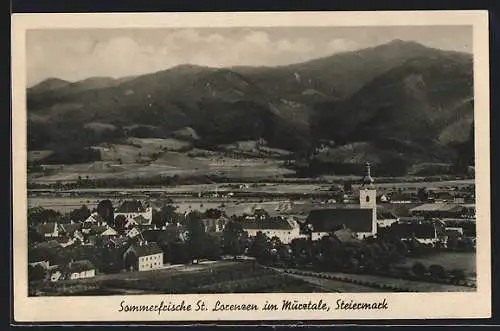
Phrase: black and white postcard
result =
(251, 166)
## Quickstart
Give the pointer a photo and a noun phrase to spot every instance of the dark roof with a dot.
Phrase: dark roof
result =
(170, 234)
(150, 248)
(275, 223)
(46, 228)
(119, 241)
(384, 214)
(328, 220)
(79, 266)
(419, 230)
(345, 235)
(213, 213)
(132, 206)
(438, 207)
(71, 228)
(402, 196)
(97, 229)
(48, 244)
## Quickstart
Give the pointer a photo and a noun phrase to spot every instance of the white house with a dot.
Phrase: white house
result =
(286, 229)
(80, 269)
(143, 256)
(134, 210)
(50, 230)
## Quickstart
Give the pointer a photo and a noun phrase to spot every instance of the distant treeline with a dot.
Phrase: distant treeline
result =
(391, 168)
(138, 182)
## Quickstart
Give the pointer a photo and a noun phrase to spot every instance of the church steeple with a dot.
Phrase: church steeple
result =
(367, 179)
(368, 196)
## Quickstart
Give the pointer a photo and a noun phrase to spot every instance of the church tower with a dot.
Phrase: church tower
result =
(368, 196)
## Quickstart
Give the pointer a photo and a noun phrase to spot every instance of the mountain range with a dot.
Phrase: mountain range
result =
(400, 99)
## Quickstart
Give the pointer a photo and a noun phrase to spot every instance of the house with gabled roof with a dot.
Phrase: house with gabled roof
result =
(361, 220)
(132, 209)
(80, 269)
(143, 256)
(385, 218)
(109, 232)
(286, 229)
(50, 230)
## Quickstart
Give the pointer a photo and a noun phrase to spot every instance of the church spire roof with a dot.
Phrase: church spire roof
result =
(367, 179)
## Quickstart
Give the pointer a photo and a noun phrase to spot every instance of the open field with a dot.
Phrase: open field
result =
(277, 187)
(169, 164)
(337, 286)
(449, 261)
(218, 277)
(412, 285)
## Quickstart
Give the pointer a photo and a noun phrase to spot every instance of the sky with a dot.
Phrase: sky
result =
(75, 54)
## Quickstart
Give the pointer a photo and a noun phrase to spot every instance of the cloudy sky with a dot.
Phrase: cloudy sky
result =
(81, 53)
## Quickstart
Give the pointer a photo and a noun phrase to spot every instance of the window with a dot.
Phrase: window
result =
(367, 198)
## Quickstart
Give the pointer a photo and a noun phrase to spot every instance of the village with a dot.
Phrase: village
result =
(375, 232)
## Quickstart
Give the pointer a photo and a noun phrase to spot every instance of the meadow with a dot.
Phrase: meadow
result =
(218, 277)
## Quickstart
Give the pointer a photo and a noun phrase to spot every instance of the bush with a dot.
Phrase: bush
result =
(419, 269)
(458, 275)
(437, 271)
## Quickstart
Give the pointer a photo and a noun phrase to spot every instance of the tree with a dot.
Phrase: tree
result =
(196, 235)
(36, 272)
(234, 238)
(38, 215)
(106, 211)
(80, 214)
(419, 269)
(422, 194)
(120, 223)
(260, 248)
(348, 187)
(457, 275)
(452, 242)
(166, 214)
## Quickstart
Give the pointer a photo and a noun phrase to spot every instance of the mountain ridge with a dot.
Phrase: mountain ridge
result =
(400, 91)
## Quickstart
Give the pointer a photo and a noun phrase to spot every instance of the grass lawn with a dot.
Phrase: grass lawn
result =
(221, 277)
(449, 261)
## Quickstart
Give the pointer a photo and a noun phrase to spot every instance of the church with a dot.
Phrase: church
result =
(360, 220)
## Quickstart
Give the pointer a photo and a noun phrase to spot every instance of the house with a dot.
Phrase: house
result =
(43, 263)
(424, 232)
(168, 234)
(143, 256)
(92, 229)
(73, 230)
(385, 218)
(133, 209)
(50, 230)
(437, 210)
(109, 232)
(95, 219)
(55, 273)
(286, 229)
(118, 242)
(402, 197)
(442, 196)
(214, 220)
(322, 222)
(346, 235)
(469, 211)
(361, 219)
(80, 269)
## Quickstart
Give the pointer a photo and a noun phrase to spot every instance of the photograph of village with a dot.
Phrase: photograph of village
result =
(250, 160)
